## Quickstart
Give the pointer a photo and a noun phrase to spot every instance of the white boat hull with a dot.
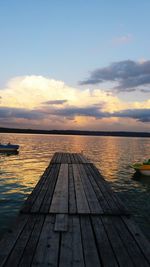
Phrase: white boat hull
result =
(145, 172)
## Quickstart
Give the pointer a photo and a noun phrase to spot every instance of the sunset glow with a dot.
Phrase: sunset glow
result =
(47, 80)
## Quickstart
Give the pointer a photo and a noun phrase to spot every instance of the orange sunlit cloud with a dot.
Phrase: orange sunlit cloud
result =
(55, 105)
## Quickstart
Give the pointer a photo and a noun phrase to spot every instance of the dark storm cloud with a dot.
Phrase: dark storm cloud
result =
(55, 102)
(129, 75)
(6, 112)
(91, 111)
(142, 115)
(94, 111)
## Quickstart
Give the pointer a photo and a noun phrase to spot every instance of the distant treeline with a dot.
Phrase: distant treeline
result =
(75, 132)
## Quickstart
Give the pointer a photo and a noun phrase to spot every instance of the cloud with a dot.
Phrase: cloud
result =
(129, 75)
(124, 39)
(30, 91)
(43, 103)
(97, 112)
(142, 115)
(89, 111)
(6, 112)
(55, 102)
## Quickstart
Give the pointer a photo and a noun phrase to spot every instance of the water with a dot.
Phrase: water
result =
(112, 156)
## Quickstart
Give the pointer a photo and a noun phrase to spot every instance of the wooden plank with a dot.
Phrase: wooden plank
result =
(93, 202)
(105, 186)
(119, 249)
(37, 204)
(29, 251)
(91, 256)
(50, 190)
(72, 196)
(66, 247)
(61, 223)
(18, 250)
(77, 257)
(53, 160)
(72, 158)
(82, 204)
(129, 242)
(139, 237)
(58, 158)
(75, 158)
(63, 159)
(71, 252)
(47, 251)
(60, 197)
(103, 244)
(106, 193)
(68, 158)
(32, 197)
(11, 237)
(102, 201)
(83, 158)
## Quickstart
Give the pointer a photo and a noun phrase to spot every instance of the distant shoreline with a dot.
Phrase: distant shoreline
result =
(75, 132)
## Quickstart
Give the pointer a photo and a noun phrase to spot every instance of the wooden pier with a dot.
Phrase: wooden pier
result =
(73, 218)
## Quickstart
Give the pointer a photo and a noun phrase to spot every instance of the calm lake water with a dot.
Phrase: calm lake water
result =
(112, 156)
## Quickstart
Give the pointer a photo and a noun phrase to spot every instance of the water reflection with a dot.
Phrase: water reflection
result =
(10, 153)
(112, 155)
(137, 176)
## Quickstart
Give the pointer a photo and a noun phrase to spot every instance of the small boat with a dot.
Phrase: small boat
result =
(142, 168)
(8, 148)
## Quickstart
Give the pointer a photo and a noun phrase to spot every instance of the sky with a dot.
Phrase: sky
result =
(82, 65)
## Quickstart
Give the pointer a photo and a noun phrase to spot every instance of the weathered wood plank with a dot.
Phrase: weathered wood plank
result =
(68, 158)
(119, 249)
(30, 248)
(129, 242)
(11, 238)
(106, 187)
(37, 204)
(108, 194)
(83, 159)
(102, 201)
(66, 247)
(106, 252)
(91, 256)
(71, 252)
(47, 251)
(72, 196)
(93, 202)
(61, 223)
(63, 158)
(50, 190)
(32, 197)
(142, 242)
(60, 197)
(54, 158)
(82, 204)
(77, 248)
(72, 158)
(18, 250)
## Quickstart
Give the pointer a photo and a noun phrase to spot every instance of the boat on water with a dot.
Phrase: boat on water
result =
(8, 148)
(142, 168)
